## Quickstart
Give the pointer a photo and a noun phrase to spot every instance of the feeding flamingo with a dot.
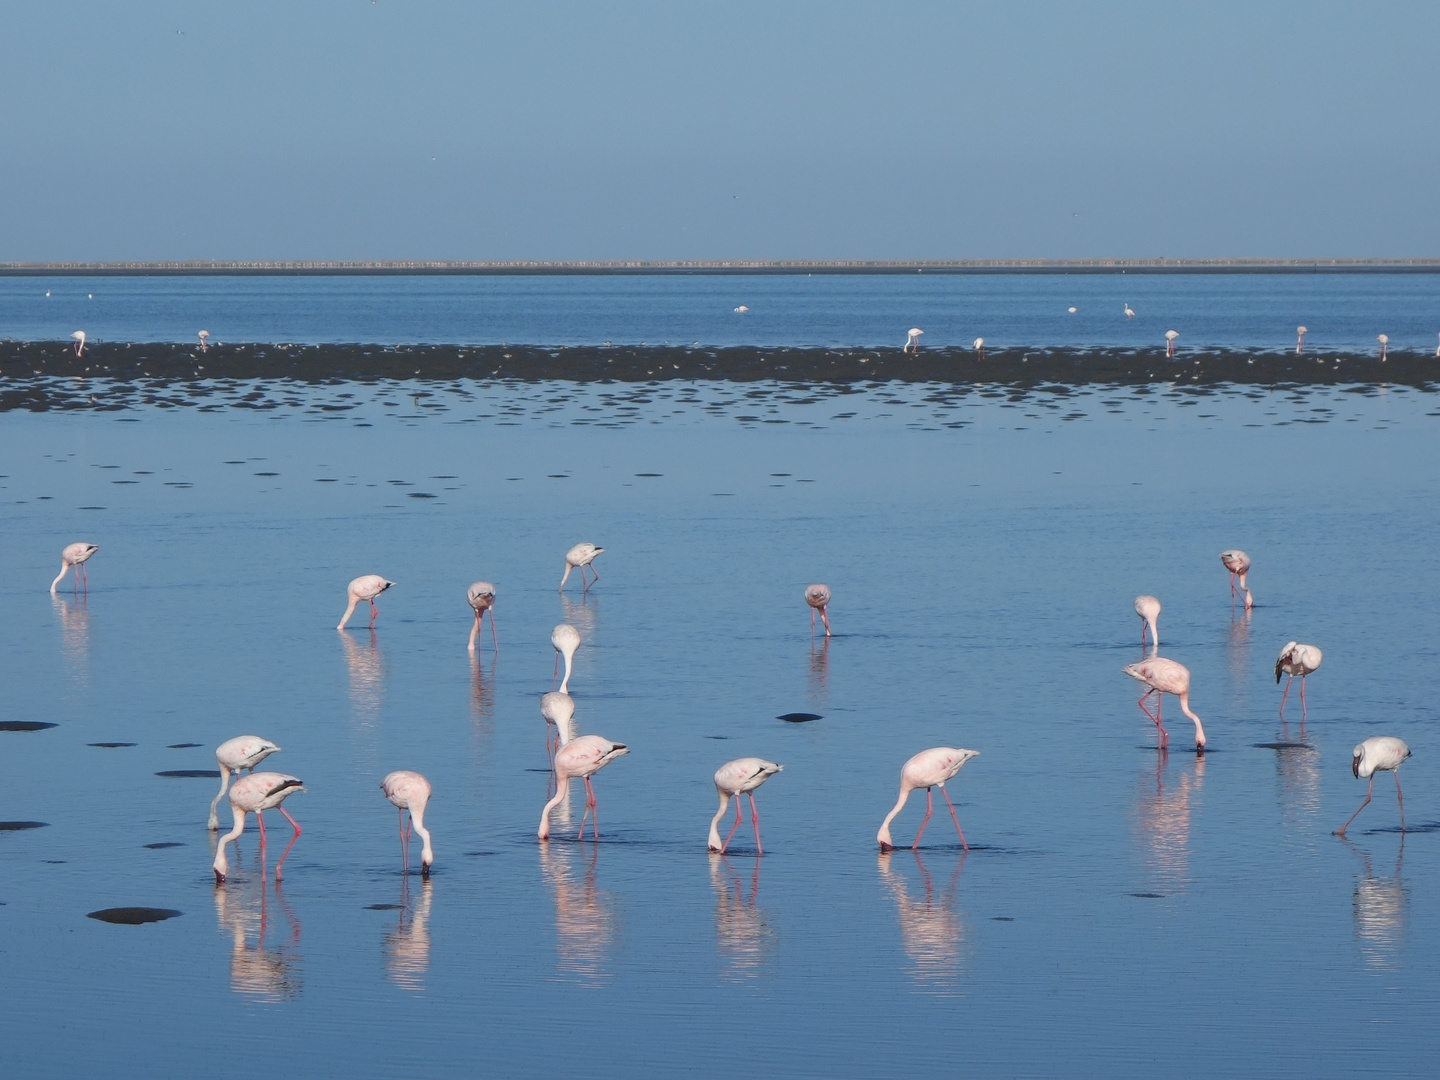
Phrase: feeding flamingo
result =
(79, 336)
(255, 794)
(76, 555)
(241, 752)
(1384, 340)
(1300, 333)
(1238, 563)
(979, 345)
(581, 555)
(1296, 659)
(481, 598)
(733, 779)
(566, 640)
(1170, 336)
(583, 757)
(818, 597)
(558, 709)
(927, 769)
(410, 791)
(742, 309)
(204, 336)
(912, 340)
(1161, 676)
(1382, 753)
(1148, 608)
(365, 588)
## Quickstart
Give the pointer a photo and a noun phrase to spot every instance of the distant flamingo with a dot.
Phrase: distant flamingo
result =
(1300, 333)
(1296, 659)
(365, 588)
(979, 345)
(204, 340)
(410, 791)
(255, 794)
(1238, 563)
(581, 555)
(927, 769)
(481, 598)
(818, 597)
(79, 336)
(1383, 753)
(566, 640)
(733, 779)
(1161, 676)
(76, 555)
(1148, 608)
(912, 340)
(1129, 314)
(1170, 336)
(1437, 350)
(742, 309)
(1384, 340)
(582, 757)
(242, 752)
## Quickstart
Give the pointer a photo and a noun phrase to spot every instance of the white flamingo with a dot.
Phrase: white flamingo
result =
(566, 640)
(733, 779)
(912, 340)
(1382, 753)
(581, 556)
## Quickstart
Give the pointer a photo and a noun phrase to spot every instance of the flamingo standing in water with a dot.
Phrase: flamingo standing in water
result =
(1238, 563)
(1148, 608)
(742, 309)
(1129, 314)
(979, 344)
(1300, 333)
(1170, 336)
(79, 336)
(1384, 340)
(581, 555)
(566, 640)
(818, 597)
(366, 588)
(733, 779)
(410, 791)
(1383, 753)
(1296, 659)
(927, 769)
(76, 555)
(481, 598)
(584, 757)
(232, 755)
(255, 794)
(1437, 350)
(558, 709)
(912, 340)
(1161, 676)
(204, 336)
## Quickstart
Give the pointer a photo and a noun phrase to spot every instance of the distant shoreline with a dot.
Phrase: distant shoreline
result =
(619, 267)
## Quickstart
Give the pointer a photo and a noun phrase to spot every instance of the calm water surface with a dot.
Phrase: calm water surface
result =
(1120, 912)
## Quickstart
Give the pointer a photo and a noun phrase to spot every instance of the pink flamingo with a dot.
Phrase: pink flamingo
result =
(1384, 340)
(204, 340)
(1383, 753)
(255, 794)
(912, 340)
(584, 757)
(241, 752)
(1170, 336)
(365, 588)
(79, 336)
(927, 769)
(76, 555)
(581, 556)
(1148, 608)
(410, 791)
(1129, 314)
(481, 598)
(735, 778)
(1296, 659)
(979, 345)
(1300, 333)
(566, 640)
(818, 597)
(1238, 563)
(1162, 677)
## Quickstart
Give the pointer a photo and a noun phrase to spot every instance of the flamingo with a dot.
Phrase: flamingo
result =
(1148, 608)
(1296, 659)
(1129, 314)
(979, 345)
(581, 555)
(481, 598)
(1072, 310)
(1238, 563)
(76, 555)
(735, 778)
(927, 769)
(410, 791)
(1384, 340)
(366, 588)
(204, 340)
(1383, 753)
(1300, 333)
(79, 336)
(912, 340)
(584, 757)
(558, 709)
(566, 640)
(255, 794)
(1437, 350)
(1170, 336)
(818, 597)
(241, 752)
(742, 309)
(1162, 677)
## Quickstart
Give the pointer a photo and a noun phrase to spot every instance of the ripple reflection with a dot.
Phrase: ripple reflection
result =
(74, 634)
(746, 940)
(1162, 820)
(242, 911)
(407, 945)
(367, 674)
(1380, 905)
(932, 932)
(585, 922)
(820, 672)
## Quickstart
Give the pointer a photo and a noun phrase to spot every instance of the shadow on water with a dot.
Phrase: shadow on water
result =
(932, 929)
(1380, 905)
(265, 972)
(407, 944)
(585, 921)
(366, 664)
(743, 935)
(1162, 819)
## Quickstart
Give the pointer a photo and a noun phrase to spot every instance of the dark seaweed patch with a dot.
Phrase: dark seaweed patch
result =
(134, 916)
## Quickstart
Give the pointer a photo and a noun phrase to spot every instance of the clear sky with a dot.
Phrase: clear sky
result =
(351, 129)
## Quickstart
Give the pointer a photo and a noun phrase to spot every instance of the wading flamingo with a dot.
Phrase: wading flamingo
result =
(912, 340)
(818, 597)
(581, 555)
(255, 794)
(979, 345)
(481, 598)
(1383, 753)
(76, 555)
(1148, 608)
(1384, 340)
(1437, 350)
(1300, 333)
(584, 757)
(242, 752)
(927, 769)
(558, 709)
(1129, 314)
(204, 336)
(1170, 336)
(1238, 563)
(410, 791)
(79, 336)
(733, 779)
(566, 640)
(1296, 659)
(1162, 677)
(742, 309)
(365, 588)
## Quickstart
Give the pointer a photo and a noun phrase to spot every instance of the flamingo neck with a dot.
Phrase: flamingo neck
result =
(1199, 730)
(213, 824)
(715, 822)
(349, 610)
(884, 834)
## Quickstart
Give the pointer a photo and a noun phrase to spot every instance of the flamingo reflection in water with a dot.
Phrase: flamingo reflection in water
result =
(74, 633)
(932, 932)
(1162, 820)
(257, 971)
(367, 675)
(585, 922)
(1380, 906)
(407, 944)
(743, 934)
(482, 695)
(819, 683)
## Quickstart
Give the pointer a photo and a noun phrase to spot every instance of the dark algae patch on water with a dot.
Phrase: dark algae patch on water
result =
(134, 916)
(191, 774)
(18, 826)
(798, 717)
(24, 725)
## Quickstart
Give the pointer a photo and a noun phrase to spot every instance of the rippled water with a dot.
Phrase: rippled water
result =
(1120, 912)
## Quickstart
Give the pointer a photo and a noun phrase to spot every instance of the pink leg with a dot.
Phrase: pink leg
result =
(825, 618)
(1285, 695)
(493, 639)
(1143, 709)
(555, 673)
(755, 820)
(1368, 792)
(404, 841)
(594, 812)
(954, 818)
(732, 827)
(85, 577)
(1303, 707)
(260, 818)
(1232, 584)
(929, 805)
(1400, 798)
(1160, 719)
(812, 622)
(1144, 626)
(374, 614)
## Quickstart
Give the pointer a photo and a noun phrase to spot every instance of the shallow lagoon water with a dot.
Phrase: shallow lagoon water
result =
(1119, 912)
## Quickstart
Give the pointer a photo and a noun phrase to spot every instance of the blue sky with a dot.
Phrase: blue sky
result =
(351, 129)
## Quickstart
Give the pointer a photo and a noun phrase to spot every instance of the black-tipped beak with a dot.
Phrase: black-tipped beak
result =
(1355, 767)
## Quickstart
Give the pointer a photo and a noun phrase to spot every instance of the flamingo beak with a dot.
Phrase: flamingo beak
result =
(1355, 766)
